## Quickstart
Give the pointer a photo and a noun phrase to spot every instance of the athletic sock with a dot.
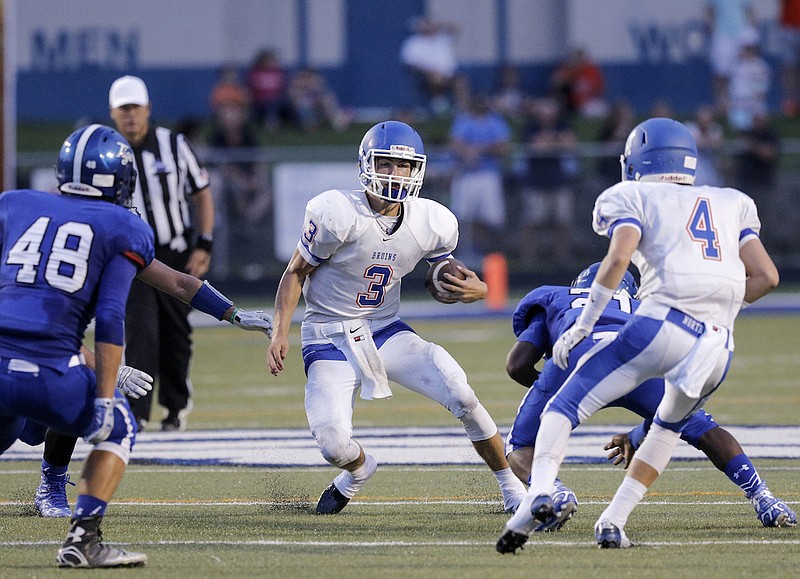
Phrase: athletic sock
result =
(89, 506)
(743, 474)
(349, 483)
(511, 487)
(628, 495)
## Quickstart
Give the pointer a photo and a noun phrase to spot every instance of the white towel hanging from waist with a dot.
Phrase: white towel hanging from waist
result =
(360, 350)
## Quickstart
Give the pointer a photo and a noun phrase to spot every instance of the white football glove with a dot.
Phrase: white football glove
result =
(103, 422)
(134, 383)
(565, 343)
(257, 320)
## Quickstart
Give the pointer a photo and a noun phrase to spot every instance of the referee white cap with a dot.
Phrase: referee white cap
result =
(128, 90)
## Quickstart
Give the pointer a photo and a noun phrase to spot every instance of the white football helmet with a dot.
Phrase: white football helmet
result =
(399, 141)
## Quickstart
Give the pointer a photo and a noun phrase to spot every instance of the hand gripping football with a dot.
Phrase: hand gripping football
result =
(435, 276)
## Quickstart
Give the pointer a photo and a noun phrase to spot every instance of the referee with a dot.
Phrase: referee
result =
(157, 332)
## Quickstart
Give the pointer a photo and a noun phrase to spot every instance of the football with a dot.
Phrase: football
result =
(435, 276)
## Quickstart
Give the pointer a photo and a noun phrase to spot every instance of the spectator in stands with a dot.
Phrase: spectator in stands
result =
(430, 54)
(579, 84)
(710, 137)
(479, 139)
(242, 181)
(229, 89)
(549, 194)
(757, 161)
(462, 94)
(509, 96)
(789, 22)
(749, 86)
(759, 152)
(267, 80)
(727, 22)
(618, 124)
(313, 104)
(661, 109)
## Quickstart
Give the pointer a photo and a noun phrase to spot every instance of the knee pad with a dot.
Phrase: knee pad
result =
(478, 424)
(123, 435)
(336, 445)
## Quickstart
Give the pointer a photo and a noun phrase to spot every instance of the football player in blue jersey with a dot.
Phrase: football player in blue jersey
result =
(51, 496)
(538, 321)
(66, 259)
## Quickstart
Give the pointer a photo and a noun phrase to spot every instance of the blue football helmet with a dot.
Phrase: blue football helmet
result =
(96, 161)
(661, 150)
(398, 141)
(586, 277)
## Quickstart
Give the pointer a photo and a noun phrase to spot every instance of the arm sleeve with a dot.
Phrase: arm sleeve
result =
(112, 295)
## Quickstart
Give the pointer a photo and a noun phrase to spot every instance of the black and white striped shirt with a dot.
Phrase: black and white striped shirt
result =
(168, 174)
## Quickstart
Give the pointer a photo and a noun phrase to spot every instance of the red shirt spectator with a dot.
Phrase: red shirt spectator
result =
(579, 83)
(267, 81)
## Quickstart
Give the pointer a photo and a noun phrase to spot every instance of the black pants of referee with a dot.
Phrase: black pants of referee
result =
(158, 340)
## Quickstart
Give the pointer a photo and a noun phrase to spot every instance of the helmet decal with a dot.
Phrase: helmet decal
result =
(96, 161)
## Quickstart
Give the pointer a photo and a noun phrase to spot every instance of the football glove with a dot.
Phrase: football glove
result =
(257, 320)
(103, 422)
(565, 343)
(134, 383)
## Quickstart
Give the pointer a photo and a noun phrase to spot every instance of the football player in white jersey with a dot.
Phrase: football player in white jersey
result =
(701, 260)
(355, 248)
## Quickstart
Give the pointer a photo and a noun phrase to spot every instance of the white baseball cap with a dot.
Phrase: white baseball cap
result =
(128, 90)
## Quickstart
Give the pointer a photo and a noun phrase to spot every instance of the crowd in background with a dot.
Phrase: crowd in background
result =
(515, 168)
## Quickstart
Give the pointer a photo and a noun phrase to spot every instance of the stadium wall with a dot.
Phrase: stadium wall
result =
(68, 53)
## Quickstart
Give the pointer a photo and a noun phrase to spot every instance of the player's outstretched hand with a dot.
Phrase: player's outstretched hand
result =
(468, 290)
(134, 383)
(620, 449)
(565, 343)
(257, 320)
(103, 422)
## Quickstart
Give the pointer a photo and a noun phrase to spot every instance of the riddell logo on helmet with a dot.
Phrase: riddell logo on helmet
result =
(673, 178)
(402, 149)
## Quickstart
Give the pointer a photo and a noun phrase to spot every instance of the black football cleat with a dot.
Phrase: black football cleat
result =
(331, 501)
(510, 541)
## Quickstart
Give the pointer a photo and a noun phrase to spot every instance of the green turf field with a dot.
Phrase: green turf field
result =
(422, 521)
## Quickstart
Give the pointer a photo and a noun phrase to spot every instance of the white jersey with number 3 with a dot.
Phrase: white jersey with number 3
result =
(359, 264)
(688, 256)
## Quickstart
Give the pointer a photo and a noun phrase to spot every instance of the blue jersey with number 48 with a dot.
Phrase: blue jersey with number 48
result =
(55, 250)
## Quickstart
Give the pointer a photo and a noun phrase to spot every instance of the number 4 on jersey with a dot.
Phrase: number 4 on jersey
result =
(701, 229)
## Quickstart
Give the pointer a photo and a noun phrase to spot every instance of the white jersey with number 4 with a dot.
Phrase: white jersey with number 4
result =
(359, 264)
(688, 256)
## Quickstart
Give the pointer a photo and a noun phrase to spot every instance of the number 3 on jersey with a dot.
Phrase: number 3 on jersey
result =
(67, 264)
(701, 229)
(380, 275)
